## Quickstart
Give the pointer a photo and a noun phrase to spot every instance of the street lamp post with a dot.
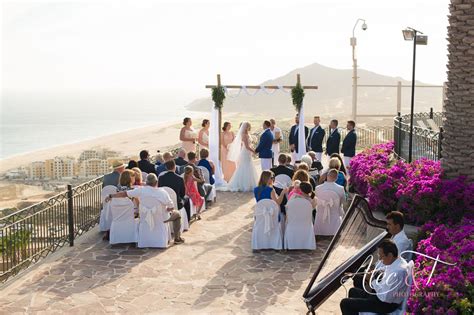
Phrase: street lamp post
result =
(354, 68)
(412, 34)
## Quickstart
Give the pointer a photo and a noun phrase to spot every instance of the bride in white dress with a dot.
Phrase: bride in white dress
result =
(245, 176)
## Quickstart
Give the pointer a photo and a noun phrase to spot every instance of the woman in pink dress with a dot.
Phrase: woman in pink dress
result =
(227, 136)
(188, 136)
(190, 185)
(203, 136)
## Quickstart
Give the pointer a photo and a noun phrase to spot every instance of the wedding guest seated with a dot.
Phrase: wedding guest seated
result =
(306, 192)
(342, 168)
(204, 153)
(303, 166)
(299, 177)
(181, 159)
(316, 163)
(334, 163)
(158, 159)
(161, 196)
(112, 179)
(330, 185)
(282, 168)
(167, 156)
(190, 184)
(138, 177)
(395, 224)
(203, 188)
(127, 182)
(174, 181)
(313, 172)
(144, 164)
(132, 164)
(389, 287)
(265, 189)
(288, 162)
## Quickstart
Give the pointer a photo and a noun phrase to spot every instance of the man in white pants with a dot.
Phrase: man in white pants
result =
(277, 138)
(264, 148)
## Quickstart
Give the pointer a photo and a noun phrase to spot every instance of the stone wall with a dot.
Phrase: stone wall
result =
(458, 144)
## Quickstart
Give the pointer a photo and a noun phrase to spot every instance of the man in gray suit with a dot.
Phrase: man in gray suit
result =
(113, 178)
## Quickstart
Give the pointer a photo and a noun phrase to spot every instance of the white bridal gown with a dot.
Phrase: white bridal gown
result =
(245, 176)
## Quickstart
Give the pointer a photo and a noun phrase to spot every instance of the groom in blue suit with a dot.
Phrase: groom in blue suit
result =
(264, 148)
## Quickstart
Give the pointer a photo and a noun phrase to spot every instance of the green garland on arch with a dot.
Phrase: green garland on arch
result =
(218, 96)
(297, 94)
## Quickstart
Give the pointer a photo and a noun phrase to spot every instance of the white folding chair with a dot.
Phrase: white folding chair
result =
(152, 231)
(105, 216)
(182, 211)
(282, 181)
(205, 173)
(329, 213)
(266, 232)
(162, 173)
(144, 175)
(123, 228)
(299, 232)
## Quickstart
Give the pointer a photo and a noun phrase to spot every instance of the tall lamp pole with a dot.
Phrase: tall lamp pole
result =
(354, 68)
(412, 34)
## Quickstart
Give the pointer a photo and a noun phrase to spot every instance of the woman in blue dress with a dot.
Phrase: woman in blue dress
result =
(265, 190)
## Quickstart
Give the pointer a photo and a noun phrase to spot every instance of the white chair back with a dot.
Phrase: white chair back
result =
(162, 173)
(152, 231)
(173, 196)
(282, 181)
(329, 213)
(266, 233)
(144, 175)
(299, 232)
(105, 216)
(205, 173)
(123, 228)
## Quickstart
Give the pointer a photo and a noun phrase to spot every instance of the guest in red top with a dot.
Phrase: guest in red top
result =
(190, 184)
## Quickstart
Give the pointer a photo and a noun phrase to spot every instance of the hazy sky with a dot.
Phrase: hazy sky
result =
(179, 46)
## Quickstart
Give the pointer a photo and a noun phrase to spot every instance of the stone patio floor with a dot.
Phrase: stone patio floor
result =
(215, 271)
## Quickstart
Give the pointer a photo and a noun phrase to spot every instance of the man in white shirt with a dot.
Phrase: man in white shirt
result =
(277, 138)
(151, 192)
(389, 287)
(395, 223)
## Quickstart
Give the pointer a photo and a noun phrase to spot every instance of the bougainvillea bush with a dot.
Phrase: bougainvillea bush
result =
(449, 290)
(416, 189)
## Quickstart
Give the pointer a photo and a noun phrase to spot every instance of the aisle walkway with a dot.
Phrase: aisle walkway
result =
(215, 271)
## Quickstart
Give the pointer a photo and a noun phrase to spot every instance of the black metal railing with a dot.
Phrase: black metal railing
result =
(427, 137)
(32, 233)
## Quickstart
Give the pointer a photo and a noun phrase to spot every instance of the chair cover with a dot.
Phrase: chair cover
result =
(205, 173)
(193, 209)
(152, 231)
(299, 232)
(162, 173)
(282, 181)
(401, 310)
(182, 211)
(105, 215)
(144, 175)
(124, 226)
(329, 213)
(266, 231)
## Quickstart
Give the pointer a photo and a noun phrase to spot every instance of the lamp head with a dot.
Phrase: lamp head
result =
(408, 34)
(364, 26)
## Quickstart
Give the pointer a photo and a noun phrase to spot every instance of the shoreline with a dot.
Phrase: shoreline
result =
(129, 139)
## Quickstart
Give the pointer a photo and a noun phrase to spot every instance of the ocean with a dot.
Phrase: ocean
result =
(34, 122)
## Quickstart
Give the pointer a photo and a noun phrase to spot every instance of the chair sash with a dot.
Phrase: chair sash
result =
(148, 216)
(267, 213)
(325, 207)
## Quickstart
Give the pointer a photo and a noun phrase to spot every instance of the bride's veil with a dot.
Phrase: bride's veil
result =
(236, 145)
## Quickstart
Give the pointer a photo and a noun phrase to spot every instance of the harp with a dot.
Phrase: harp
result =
(357, 238)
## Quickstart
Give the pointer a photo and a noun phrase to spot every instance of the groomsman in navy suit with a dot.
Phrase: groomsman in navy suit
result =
(264, 147)
(315, 139)
(349, 144)
(334, 139)
(293, 137)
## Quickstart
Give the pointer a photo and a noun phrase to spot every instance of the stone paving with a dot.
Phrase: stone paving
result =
(215, 271)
